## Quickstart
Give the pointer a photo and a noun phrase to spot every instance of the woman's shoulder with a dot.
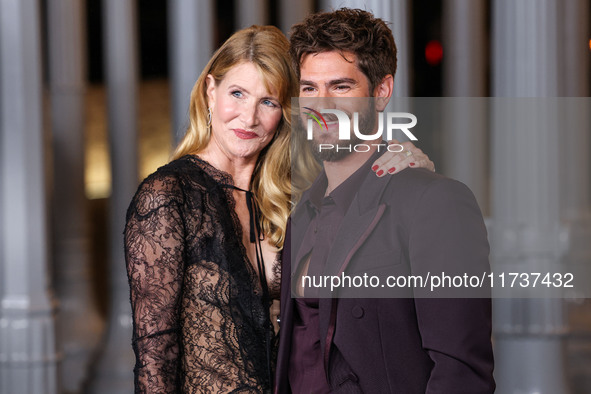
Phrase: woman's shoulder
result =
(169, 184)
(195, 170)
(186, 171)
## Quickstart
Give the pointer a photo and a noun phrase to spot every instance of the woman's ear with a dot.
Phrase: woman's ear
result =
(383, 92)
(210, 82)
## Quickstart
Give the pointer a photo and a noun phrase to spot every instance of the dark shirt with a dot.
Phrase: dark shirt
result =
(306, 372)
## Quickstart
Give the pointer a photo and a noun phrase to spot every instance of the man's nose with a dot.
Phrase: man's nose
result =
(324, 92)
(325, 98)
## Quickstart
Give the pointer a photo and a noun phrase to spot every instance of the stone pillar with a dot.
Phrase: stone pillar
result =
(401, 27)
(79, 325)
(190, 35)
(28, 358)
(464, 42)
(292, 12)
(398, 14)
(465, 134)
(251, 12)
(525, 62)
(114, 372)
(526, 231)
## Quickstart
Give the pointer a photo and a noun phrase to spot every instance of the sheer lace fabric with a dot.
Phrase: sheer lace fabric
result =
(199, 321)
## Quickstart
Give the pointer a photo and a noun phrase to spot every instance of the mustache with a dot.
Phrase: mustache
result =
(330, 117)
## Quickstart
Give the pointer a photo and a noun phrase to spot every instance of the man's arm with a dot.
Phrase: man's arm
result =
(448, 235)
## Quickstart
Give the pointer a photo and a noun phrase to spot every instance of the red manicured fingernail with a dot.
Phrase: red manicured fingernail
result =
(374, 168)
(412, 164)
(391, 170)
(380, 172)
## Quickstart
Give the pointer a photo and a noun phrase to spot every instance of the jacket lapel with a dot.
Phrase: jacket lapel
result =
(363, 215)
(355, 229)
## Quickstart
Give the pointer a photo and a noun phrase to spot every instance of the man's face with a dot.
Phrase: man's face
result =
(328, 75)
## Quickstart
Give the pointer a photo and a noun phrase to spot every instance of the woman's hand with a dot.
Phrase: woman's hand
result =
(391, 162)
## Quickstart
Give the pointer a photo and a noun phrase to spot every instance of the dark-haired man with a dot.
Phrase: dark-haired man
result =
(415, 221)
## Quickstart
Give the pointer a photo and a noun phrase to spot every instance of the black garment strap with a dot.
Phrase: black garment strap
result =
(256, 237)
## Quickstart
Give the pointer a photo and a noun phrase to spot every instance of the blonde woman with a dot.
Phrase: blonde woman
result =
(203, 232)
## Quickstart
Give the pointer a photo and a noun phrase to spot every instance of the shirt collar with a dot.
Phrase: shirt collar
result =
(344, 193)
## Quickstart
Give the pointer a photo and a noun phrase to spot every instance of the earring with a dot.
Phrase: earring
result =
(208, 116)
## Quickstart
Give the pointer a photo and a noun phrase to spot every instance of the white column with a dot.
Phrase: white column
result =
(397, 13)
(465, 118)
(525, 62)
(28, 359)
(191, 46)
(401, 27)
(251, 12)
(526, 232)
(79, 325)
(114, 373)
(292, 12)
(464, 43)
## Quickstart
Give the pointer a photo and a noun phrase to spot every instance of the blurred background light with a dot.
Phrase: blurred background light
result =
(433, 52)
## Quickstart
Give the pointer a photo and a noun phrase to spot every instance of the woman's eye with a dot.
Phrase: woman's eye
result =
(237, 93)
(269, 103)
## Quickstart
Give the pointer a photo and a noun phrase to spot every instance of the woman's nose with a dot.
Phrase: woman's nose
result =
(249, 114)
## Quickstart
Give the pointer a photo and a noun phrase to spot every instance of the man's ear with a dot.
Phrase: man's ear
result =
(383, 92)
(210, 82)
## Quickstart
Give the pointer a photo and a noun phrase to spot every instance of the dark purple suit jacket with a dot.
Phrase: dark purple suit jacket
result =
(411, 223)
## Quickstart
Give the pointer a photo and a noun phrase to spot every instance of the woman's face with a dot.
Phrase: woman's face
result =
(244, 115)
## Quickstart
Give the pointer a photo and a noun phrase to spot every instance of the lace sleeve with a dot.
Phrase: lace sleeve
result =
(154, 250)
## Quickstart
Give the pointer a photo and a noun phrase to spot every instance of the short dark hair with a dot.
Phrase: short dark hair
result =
(347, 30)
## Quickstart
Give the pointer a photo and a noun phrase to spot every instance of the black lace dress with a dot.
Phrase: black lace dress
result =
(199, 321)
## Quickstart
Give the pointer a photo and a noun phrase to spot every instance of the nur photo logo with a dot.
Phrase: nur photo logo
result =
(315, 115)
(388, 122)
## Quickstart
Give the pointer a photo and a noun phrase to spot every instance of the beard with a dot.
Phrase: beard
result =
(342, 149)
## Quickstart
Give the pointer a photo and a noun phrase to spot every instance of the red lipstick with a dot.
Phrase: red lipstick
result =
(244, 135)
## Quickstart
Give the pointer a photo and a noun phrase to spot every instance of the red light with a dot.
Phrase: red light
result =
(433, 52)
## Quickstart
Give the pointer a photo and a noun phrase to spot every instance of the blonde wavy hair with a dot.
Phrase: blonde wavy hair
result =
(267, 49)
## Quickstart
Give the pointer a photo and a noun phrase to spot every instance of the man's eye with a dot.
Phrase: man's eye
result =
(343, 87)
(307, 89)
